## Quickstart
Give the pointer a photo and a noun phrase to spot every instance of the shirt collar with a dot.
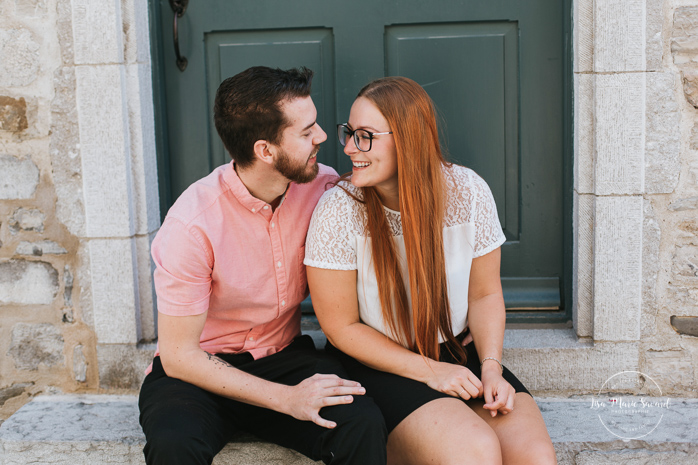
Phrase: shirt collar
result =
(237, 187)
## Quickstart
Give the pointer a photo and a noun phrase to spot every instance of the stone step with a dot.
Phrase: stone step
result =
(96, 429)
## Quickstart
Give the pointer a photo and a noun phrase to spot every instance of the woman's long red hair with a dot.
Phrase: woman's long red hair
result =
(411, 116)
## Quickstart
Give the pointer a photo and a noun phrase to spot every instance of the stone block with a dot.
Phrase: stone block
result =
(142, 147)
(146, 288)
(14, 390)
(619, 35)
(682, 205)
(13, 114)
(104, 151)
(619, 133)
(684, 36)
(97, 32)
(685, 265)
(94, 429)
(19, 57)
(24, 219)
(79, 364)
(688, 231)
(115, 301)
(122, 366)
(651, 240)
(40, 248)
(136, 41)
(685, 299)
(618, 268)
(584, 134)
(686, 325)
(64, 26)
(654, 18)
(662, 135)
(74, 430)
(27, 283)
(693, 143)
(31, 8)
(18, 178)
(672, 370)
(64, 148)
(67, 287)
(583, 298)
(690, 87)
(634, 457)
(36, 344)
(583, 34)
(575, 366)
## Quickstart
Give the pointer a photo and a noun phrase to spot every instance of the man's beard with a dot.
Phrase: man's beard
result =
(296, 172)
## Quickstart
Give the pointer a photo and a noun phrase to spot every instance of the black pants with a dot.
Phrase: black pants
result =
(184, 424)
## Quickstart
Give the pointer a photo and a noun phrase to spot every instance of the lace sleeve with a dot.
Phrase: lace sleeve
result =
(331, 240)
(488, 230)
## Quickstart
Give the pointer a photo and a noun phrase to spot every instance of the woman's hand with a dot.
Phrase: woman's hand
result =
(499, 394)
(454, 380)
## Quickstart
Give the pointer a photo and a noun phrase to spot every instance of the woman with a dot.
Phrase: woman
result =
(396, 261)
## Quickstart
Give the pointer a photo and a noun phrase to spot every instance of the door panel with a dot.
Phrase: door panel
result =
(231, 52)
(470, 71)
(494, 69)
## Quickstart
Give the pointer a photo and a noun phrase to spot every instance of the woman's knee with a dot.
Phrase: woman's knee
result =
(444, 431)
(483, 447)
(536, 452)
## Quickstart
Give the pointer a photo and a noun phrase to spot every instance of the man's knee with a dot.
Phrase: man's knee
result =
(177, 446)
(360, 429)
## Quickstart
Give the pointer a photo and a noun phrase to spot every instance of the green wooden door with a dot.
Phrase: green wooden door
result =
(495, 70)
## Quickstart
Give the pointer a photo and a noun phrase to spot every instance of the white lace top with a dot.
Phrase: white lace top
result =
(338, 239)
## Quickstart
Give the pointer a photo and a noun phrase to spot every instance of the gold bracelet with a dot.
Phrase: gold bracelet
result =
(492, 358)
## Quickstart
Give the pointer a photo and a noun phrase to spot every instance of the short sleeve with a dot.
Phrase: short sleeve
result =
(488, 230)
(331, 240)
(183, 270)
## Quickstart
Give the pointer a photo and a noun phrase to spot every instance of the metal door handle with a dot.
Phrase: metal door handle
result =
(179, 7)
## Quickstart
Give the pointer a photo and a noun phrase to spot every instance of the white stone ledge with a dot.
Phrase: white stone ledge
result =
(544, 339)
(89, 429)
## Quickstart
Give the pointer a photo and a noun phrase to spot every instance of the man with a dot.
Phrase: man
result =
(229, 282)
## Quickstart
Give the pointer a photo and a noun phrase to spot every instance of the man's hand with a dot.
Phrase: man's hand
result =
(305, 399)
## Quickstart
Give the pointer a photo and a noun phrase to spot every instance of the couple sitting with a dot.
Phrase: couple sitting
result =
(402, 262)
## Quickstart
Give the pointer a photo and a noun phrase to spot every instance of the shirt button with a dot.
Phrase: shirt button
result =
(250, 338)
(266, 207)
(253, 210)
(272, 224)
(278, 264)
(283, 303)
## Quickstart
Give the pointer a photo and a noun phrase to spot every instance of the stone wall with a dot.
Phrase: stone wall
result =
(56, 125)
(45, 343)
(669, 341)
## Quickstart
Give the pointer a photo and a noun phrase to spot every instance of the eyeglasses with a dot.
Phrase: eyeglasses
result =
(363, 139)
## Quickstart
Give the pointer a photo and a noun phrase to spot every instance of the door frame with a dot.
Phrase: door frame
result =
(561, 317)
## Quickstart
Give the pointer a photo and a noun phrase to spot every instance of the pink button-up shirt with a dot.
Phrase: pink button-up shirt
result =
(221, 249)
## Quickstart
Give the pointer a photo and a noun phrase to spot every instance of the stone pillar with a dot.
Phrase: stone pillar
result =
(119, 177)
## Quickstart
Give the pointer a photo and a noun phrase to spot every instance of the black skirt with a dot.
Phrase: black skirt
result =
(398, 397)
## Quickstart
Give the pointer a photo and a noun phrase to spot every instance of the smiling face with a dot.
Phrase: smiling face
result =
(296, 155)
(377, 167)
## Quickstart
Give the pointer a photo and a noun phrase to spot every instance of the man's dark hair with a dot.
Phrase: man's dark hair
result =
(248, 107)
